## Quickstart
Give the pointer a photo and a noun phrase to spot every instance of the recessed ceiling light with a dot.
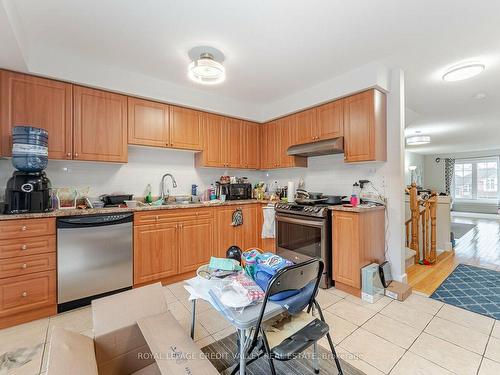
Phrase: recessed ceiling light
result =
(463, 71)
(418, 140)
(206, 70)
(480, 96)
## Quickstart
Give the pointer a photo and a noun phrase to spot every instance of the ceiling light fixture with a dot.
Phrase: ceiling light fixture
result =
(206, 70)
(463, 71)
(418, 140)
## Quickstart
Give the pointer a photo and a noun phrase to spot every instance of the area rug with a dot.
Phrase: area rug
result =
(460, 229)
(472, 288)
(223, 354)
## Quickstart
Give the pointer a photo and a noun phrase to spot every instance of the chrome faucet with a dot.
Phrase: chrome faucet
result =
(162, 186)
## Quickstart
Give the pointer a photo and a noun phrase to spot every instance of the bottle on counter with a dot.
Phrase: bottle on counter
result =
(356, 190)
(213, 195)
(194, 190)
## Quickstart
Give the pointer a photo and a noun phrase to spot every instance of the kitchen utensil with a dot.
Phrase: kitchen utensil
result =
(333, 199)
(131, 204)
(115, 199)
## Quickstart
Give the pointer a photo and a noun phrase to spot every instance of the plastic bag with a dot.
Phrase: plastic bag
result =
(237, 291)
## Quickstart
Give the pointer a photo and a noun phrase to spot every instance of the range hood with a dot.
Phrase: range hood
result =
(319, 148)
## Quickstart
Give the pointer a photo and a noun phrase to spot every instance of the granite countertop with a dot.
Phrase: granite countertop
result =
(109, 210)
(356, 209)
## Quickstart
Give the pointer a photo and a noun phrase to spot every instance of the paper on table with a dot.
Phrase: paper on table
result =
(199, 288)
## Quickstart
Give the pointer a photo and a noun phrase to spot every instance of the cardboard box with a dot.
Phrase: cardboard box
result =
(398, 291)
(134, 334)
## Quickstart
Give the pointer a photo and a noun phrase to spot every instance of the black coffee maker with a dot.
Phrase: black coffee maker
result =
(28, 192)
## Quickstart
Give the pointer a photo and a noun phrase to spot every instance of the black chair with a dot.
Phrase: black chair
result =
(294, 277)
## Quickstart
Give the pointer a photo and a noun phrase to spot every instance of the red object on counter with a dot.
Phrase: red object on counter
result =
(354, 200)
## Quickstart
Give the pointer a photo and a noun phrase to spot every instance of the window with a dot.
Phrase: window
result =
(476, 179)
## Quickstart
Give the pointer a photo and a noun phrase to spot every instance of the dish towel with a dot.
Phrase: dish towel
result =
(268, 229)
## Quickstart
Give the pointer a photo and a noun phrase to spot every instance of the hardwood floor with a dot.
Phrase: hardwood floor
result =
(478, 247)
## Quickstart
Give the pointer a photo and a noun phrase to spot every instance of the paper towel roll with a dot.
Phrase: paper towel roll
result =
(291, 192)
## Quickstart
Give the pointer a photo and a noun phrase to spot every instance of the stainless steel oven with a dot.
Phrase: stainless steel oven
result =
(303, 233)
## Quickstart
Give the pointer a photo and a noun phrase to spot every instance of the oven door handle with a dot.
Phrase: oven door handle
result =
(310, 223)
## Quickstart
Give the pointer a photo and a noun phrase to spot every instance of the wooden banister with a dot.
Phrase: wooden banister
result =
(422, 225)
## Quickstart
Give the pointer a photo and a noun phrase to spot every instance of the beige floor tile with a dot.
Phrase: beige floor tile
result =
(393, 331)
(465, 337)
(423, 304)
(466, 318)
(374, 350)
(200, 332)
(356, 362)
(205, 341)
(169, 296)
(212, 321)
(337, 292)
(406, 315)
(326, 299)
(446, 354)
(493, 349)
(339, 328)
(412, 364)
(377, 306)
(30, 368)
(79, 320)
(489, 367)
(352, 312)
(45, 357)
(23, 335)
(496, 329)
(179, 311)
(224, 333)
(178, 290)
(201, 305)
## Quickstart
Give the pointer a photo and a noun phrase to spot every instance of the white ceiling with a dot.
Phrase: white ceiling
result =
(274, 51)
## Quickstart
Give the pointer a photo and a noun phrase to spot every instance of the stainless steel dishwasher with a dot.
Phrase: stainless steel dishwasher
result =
(94, 257)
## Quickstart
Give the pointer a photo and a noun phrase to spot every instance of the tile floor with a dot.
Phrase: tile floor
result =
(418, 336)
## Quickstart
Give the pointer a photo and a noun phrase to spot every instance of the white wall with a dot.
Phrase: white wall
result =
(145, 166)
(413, 159)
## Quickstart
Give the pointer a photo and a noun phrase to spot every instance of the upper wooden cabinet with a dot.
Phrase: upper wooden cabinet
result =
(213, 142)
(185, 128)
(148, 123)
(306, 126)
(100, 125)
(38, 102)
(270, 146)
(365, 129)
(251, 139)
(232, 143)
(330, 120)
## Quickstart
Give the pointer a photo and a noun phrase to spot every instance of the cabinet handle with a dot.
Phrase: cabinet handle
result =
(24, 227)
(180, 226)
(76, 154)
(68, 154)
(24, 294)
(24, 266)
(24, 247)
(156, 217)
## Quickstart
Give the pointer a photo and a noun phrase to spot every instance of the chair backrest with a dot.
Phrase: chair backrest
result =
(293, 277)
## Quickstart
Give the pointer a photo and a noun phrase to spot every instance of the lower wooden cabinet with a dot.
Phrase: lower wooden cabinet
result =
(358, 239)
(196, 244)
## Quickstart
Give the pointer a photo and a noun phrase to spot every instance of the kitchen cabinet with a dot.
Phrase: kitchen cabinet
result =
(100, 125)
(306, 126)
(185, 128)
(251, 136)
(365, 128)
(38, 102)
(358, 239)
(214, 140)
(330, 120)
(277, 137)
(171, 244)
(244, 236)
(148, 123)
(232, 143)
(155, 252)
(27, 270)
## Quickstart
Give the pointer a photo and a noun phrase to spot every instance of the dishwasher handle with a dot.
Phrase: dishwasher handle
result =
(88, 221)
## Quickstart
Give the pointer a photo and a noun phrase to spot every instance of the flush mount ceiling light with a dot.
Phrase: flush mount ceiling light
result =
(418, 140)
(206, 70)
(463, 71)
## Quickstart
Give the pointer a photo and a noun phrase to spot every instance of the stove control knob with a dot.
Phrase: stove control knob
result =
(317, 209)
(308, 209)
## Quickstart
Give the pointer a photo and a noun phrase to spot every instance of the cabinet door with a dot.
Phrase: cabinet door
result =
(38, 102)
(251, 145)
(155, 252)
(233, 143)
(271, 144)
(287, 130)
(100, 125)
(196, 244)
(306, 126)
(346, 249)
(365, 127)
(148, 123)
(226, 232)
(249, 232)
(185, 128)
(213, 129)
(330, 120)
